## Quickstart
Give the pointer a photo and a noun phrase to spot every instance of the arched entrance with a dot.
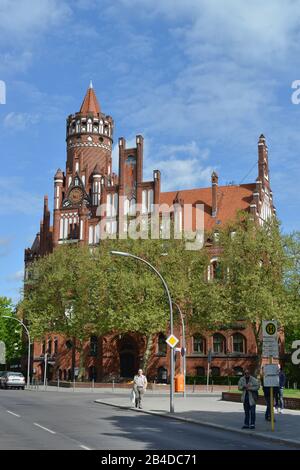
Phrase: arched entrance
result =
(128, 357)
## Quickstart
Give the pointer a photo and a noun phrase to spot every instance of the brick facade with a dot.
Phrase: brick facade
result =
(88, 182)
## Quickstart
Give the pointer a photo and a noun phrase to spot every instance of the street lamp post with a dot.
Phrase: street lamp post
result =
(129, 255)
(45, 369)
(183, 346)
(28, 335)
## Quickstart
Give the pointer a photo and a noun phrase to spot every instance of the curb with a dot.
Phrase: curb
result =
(281, 440)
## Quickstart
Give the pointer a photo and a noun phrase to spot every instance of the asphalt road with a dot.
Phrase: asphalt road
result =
(66, 421)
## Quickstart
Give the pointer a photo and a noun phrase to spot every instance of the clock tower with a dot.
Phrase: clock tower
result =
(89, 139)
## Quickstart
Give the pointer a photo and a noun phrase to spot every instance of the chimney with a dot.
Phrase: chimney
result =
(214, 191)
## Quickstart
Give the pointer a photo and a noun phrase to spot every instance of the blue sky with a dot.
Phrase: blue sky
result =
(200, 79)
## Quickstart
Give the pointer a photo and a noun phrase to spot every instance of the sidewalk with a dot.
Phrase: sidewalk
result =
(210, 410)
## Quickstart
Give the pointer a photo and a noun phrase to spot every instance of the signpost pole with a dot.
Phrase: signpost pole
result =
(271, 400)
(45, 369)
(207, 381)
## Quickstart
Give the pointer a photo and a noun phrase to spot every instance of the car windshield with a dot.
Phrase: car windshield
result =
(15, 374)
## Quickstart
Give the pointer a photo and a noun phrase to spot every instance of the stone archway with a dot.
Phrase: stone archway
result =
(128, 355)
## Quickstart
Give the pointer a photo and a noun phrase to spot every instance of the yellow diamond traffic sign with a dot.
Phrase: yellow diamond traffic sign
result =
(172, 341)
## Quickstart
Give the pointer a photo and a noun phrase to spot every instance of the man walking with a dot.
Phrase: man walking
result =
(139, 387)
(249, 386)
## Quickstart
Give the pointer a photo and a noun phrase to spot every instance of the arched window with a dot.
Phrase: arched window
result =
(238, 343)
(55, 345)
(93, 345)
(215, 371)
(49, 350)
(43, 347)
(238, 371)
(199, 344)
(65, 374)
(162, 375)
(219, 343)
(200, 371)
(162, 345)
(92, 373)
(89, 125)
(216, 270)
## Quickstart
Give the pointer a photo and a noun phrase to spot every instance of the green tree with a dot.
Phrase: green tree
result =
(79, 291)
(252, 287)
(10, 331)
(65, 295)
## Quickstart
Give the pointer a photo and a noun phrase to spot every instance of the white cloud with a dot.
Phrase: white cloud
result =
(182, 166)
(20, 121)
(23, 20)
(4, 246)
(252, 30)
(15, 277)
(15, 199)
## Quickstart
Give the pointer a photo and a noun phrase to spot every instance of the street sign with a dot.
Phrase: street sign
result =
(270, 339)
(271, 375)
(172, 341)
(2, 353)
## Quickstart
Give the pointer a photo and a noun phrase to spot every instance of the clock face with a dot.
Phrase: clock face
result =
(76, 196)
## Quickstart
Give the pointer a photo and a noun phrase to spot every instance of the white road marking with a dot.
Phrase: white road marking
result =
(85, 448)
(14, 414)
(46, 429)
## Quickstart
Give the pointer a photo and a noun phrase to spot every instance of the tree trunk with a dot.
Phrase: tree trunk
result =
(147, 352)
(256, 332)
(81, 374)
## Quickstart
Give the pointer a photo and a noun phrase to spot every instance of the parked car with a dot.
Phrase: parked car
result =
(12, 380)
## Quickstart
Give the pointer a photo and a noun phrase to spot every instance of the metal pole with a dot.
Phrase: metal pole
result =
(183, 345)
(29, 349)
(271, 400)
(45, 369)
(207, 380)
(121, 253)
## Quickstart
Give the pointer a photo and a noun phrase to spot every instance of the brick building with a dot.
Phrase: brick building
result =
(89, 182)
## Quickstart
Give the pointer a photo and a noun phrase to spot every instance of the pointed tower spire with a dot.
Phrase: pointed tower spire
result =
(90, 103)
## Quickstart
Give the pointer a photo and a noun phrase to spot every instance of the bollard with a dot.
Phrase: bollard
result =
(113, 385)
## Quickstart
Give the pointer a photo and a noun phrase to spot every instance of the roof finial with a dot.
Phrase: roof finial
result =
(91, 84)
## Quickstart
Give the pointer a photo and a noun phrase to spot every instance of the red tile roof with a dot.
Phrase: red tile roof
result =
(230, 199)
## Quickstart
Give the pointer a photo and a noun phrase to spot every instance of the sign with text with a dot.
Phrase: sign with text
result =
(270, 338)
(2, 353)
(296, 353)
(271, 375)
